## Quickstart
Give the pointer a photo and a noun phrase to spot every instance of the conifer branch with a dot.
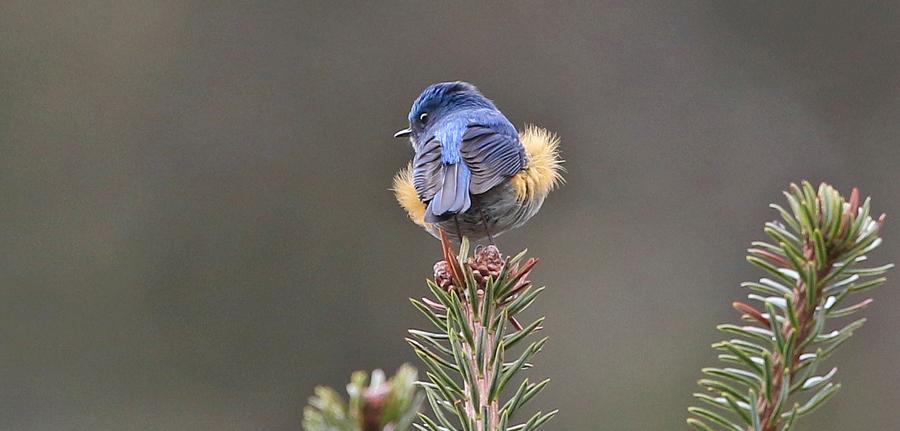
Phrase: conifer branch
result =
(382, 405)
(476, 301)
(771, 377)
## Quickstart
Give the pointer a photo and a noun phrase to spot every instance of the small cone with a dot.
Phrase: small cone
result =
(486, 262)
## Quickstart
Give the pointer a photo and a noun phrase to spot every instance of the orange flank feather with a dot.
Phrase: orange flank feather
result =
(407, 197)
(544, 170)
(543, 173)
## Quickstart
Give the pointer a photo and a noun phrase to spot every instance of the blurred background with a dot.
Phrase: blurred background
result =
(196, 225)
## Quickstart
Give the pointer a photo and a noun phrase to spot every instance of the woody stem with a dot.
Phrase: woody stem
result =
(780, 365)
(483, 411)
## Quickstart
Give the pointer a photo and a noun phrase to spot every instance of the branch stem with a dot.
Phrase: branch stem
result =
(476, 408)
(805, 317)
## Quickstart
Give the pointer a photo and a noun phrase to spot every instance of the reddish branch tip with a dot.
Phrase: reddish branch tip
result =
(750, 311)
(434, 305)
(450, 258)
(771, 257)
(515, 323)
(854, 201)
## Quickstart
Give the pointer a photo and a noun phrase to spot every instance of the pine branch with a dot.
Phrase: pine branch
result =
(771, 377)
(476, 302)
(383, 405)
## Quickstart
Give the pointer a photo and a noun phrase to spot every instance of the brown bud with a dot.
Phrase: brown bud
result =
(443, 276)
(374, 400)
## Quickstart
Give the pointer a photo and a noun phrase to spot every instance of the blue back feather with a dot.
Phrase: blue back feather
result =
(478, 147)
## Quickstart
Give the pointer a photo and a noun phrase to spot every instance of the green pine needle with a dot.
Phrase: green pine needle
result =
(811, 268)
(467, 361)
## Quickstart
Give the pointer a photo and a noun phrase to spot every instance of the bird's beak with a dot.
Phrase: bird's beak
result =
(403, 133)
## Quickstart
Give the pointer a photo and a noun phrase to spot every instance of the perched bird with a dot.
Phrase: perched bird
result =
(473, 174)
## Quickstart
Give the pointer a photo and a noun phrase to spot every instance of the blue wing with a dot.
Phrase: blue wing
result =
(453, 196)
(492, 155)
(427, 170)
(462, 161)
(445, 186)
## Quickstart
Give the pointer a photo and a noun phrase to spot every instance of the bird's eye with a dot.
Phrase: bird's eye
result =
(423, 117)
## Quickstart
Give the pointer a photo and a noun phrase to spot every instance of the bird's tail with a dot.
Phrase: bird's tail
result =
(453, 197)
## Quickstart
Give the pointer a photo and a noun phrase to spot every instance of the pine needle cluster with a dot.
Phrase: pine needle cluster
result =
(382, 405)
(476, 301)
(772, 370)
(772, 373)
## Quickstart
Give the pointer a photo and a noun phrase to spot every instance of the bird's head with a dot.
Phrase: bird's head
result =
(438, 101)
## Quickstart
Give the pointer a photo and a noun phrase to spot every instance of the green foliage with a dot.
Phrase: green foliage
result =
(476, 331)
(771, 375)
(382, 405)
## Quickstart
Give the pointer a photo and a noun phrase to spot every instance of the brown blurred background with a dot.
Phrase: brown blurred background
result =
(196, 228)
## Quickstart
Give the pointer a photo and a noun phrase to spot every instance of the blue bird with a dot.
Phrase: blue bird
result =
(473, 174)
